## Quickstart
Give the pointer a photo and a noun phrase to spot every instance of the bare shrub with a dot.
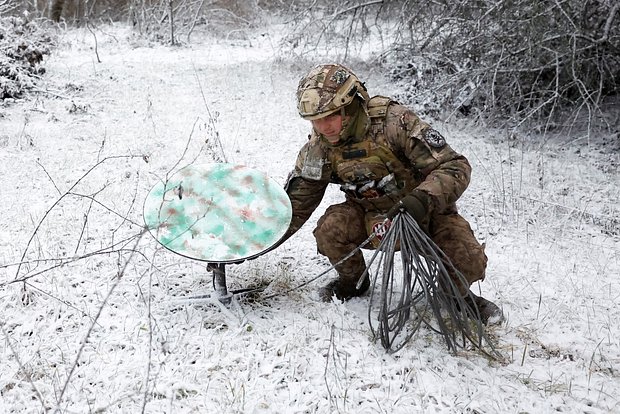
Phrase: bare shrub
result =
(79, 11)
(175, 21)
(335, 29)
(519, 59)
(166, 21)
(520, 62)
(23, 45)
(8, 7)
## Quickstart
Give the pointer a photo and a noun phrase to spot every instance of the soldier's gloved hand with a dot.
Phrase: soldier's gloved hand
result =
(416, 205)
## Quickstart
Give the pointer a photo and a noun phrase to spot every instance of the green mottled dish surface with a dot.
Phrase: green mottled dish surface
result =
(219, 213)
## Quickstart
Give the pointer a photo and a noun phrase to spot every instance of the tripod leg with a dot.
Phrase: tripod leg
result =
(219, 283)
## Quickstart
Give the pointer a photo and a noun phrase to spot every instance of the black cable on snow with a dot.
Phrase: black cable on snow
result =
(415, 288)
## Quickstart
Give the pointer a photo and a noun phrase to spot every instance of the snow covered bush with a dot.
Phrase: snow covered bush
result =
(520, 62)
(23, 44)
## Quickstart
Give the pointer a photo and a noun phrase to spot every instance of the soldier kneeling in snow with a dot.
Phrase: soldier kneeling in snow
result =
(385, 159)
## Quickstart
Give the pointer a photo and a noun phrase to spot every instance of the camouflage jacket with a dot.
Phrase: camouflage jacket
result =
(399, 153)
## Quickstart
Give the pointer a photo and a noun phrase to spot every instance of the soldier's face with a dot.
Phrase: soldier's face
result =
(329, 126)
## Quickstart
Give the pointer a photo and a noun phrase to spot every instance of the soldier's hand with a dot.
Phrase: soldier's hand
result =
(414, 204)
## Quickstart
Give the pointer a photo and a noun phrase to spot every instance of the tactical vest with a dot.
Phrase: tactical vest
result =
(370, 174)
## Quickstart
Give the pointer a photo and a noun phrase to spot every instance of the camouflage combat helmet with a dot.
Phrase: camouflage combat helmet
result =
(326, 89)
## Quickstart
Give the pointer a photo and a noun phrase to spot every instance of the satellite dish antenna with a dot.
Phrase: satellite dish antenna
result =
(218, 213)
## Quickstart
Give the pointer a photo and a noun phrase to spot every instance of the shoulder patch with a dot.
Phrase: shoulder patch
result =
(434, 138)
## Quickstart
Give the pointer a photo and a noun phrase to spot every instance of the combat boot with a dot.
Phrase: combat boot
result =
(488, 312)
(344, 289)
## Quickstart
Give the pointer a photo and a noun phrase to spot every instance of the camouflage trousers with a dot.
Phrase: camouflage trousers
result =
(342, 228)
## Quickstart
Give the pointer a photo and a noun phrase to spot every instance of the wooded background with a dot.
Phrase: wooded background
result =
(550, 65)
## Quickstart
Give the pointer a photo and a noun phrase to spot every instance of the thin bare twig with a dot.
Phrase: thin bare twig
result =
(68, 192)
(23, 368)
(118, 278)
(64, 261)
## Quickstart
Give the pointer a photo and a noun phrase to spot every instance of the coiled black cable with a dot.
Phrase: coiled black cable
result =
(421, 291)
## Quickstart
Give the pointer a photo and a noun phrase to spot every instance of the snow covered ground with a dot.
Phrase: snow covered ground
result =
(92, 325)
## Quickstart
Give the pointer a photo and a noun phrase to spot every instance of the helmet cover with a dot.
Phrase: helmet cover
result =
(326, 89)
